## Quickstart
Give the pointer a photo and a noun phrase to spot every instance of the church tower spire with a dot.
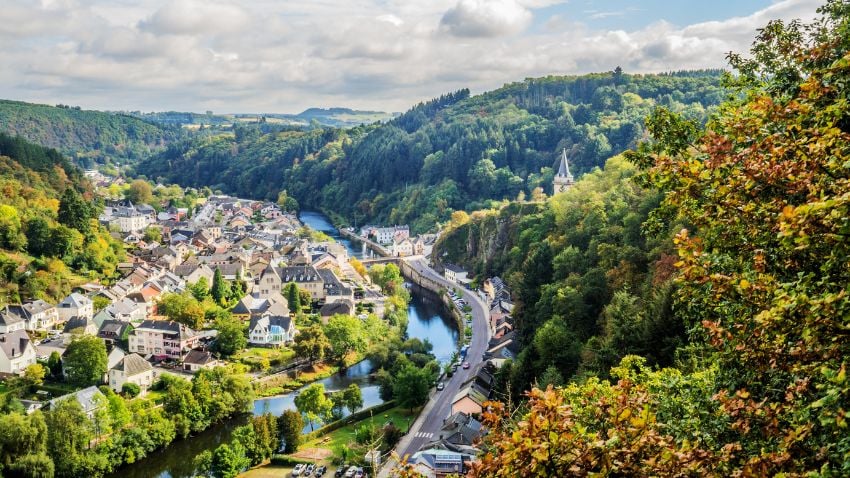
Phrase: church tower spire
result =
(563, 178)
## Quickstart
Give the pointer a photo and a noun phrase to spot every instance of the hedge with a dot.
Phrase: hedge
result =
(287, 460)
(354, 417)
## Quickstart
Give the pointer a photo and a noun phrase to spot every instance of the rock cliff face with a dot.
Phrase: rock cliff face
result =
(485, 245)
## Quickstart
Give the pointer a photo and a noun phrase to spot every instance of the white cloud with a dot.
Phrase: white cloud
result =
(273, 56)
(485, 18)
(197, 16)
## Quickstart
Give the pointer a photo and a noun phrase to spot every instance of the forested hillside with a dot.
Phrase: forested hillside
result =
(49, 236)
(590, 285)
(752, 327)
(455, 152)
(90, 138)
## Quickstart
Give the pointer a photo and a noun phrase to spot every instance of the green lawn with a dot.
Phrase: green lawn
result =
(257, 356)
(345, 435)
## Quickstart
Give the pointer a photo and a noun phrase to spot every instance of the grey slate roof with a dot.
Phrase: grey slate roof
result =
(86, 397)
(133, 364)
(12, 314)
(14, 343)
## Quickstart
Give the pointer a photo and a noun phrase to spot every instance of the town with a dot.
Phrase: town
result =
(192, 273)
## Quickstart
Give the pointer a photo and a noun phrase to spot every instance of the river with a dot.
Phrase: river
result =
(425, 321)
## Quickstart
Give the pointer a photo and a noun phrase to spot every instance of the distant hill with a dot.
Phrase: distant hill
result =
(456, 152)
(90, 138)
(333, 117)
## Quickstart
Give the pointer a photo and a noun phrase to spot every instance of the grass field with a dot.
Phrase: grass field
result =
(345, 435)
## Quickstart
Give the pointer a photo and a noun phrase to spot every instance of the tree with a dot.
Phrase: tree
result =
(85, 360)
(100, 302)
(293, 297)
(200, 290)
(54, 365)
(410, 388)
(314, 403)
(34, 374)
(345, 334)
(152, 234)
(38, 237)
(131, 390)
(139, 192)
(219, 290)
(231, 335)
(227, 461)
(311, 343)
(290, 423)
(74, 211)
(764, 261)
(352, 397)
(182, 308)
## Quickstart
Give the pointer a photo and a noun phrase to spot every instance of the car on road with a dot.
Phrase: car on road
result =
(299, 468)
(441, 386)
(466, 365)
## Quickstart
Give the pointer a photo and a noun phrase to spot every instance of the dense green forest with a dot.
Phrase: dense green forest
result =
(591, 285)
(452, 153)
(710, 268)
(90, 138)
(50, 239)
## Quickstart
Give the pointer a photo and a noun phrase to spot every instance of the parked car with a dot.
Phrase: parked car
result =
(309, 470)
(350, 472)
(340, 471)
(466, 365)
(358, 473)
(299, 468)
(441, 386)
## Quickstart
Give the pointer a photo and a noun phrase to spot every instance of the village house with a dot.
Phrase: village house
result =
(90, 399)
(270, 329)
(77, 327)
(455, 273)
(17, 352)
(131, 369)
(40, 315)
(198, 359)
(163, 339)
(253, 305)
(12, 319)
(339, 307)
(75, 305)
(114, 332)
(306, 277)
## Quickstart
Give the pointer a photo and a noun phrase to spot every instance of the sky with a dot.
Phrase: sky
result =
(282, 56)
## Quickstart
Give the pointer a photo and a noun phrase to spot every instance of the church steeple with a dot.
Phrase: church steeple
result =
(563, 179)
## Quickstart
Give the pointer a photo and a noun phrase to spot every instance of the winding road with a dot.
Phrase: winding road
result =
(426, 428)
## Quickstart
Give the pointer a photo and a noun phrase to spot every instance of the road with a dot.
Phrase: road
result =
(427, 426)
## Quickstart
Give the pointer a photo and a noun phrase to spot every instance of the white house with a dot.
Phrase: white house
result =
(131, 369)
(197, 359)
(40, 315)
(16, 352)
(91, 399)
(268, 329)
(128, 310)
(403, 248)
(12, 318)
(163, 339)
(75, 305)
(455, 274)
